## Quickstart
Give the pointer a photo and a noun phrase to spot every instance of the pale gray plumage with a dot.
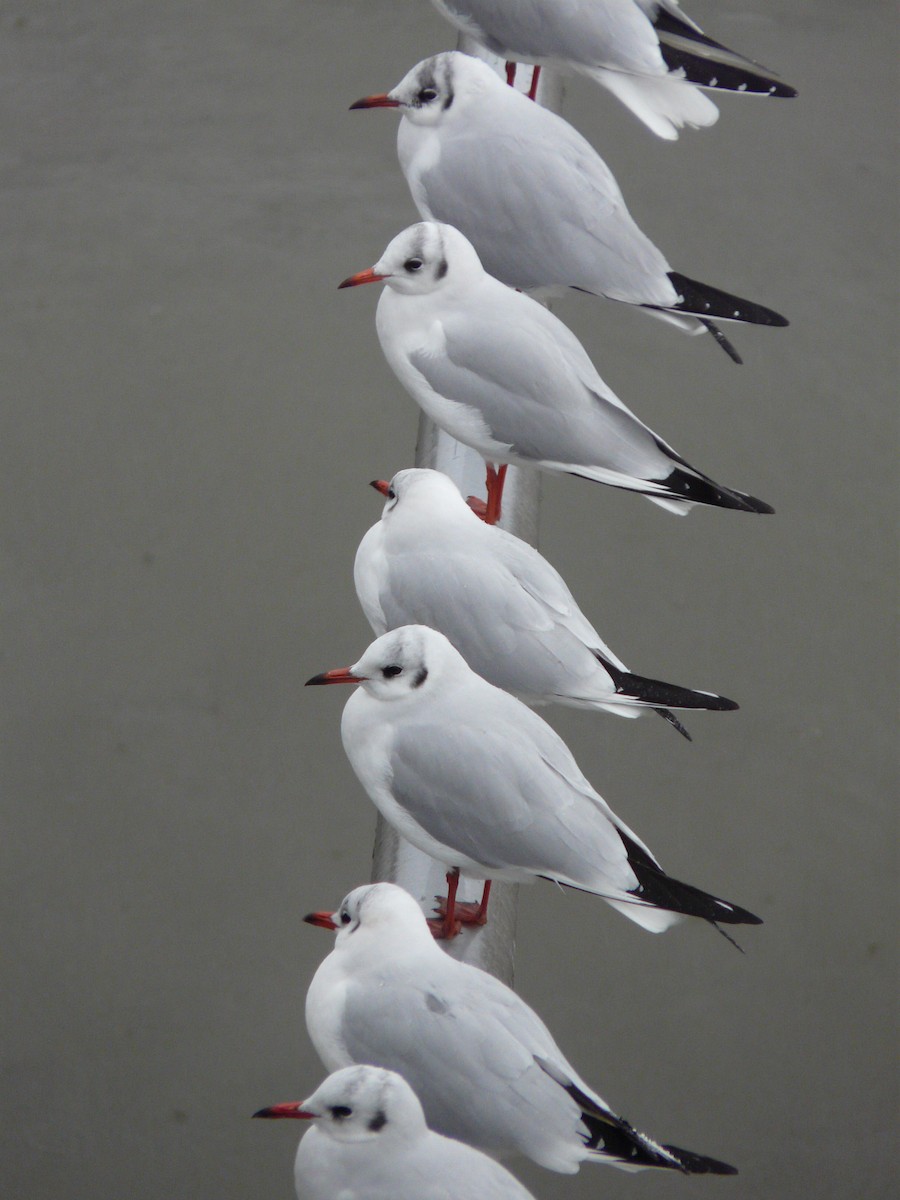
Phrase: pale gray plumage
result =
(474, 778)
(539, 205)
(501, 374)
(484, 1066)
(369, 1141)
(431, 561)
(646, 52)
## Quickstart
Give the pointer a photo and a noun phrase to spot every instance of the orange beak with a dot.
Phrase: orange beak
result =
(339, 675)
(381, 485)
(294, 1109)
(361, 277)
(322, 919)
(382, 100)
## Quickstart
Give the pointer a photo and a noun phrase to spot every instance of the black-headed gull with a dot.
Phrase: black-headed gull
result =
(646, 52)
(539, 205)
(498, 372)
(369, 1141)
(431, 561)
(484, 1066)
(477, 780)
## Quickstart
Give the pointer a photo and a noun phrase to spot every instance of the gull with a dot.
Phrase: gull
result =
(484, 1066)
(498, 372)
(646, 52)
(537, 202)
(431, 561)
(369, 1141)
(477, 780)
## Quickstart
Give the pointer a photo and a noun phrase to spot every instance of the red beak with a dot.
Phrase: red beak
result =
(322, 919)
(294, 1109)
(382, 100)
(361, 277)
(381, 485)
(339, 675)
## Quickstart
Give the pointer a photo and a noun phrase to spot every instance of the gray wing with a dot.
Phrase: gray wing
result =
(558, 219)
(466, 1045)
(529, 383)
(507, 794)
(612, 33)
(508, 613)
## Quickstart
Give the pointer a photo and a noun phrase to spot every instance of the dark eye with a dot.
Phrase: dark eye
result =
(340, 1111)
(391, 494)
(345, 918)
(412, 264)
(391, 671)
(426, 95)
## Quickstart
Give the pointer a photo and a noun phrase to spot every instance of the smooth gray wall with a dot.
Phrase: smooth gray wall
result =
(191, 414)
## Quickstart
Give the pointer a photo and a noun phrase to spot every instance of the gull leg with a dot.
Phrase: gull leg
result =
(511, 73)
(474, 914)
(535, 76)
(494, 481)
(447, 924)
(458, 912)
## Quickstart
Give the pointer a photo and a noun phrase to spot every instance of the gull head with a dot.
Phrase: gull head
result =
(359, 1104)
(425, 258)
(420, 491)
(437, 89)
(380, 908)
(406, 664)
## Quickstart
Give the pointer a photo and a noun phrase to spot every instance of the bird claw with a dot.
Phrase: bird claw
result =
(465, 912)
(440, 930)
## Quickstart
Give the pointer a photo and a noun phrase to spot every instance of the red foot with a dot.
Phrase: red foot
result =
(535, 76)
(478, 506)
(511, 73)
(453, 914)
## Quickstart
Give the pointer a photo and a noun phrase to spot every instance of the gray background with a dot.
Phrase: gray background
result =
(191, 413)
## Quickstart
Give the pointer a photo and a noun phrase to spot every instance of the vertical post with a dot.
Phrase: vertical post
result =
(491, 947)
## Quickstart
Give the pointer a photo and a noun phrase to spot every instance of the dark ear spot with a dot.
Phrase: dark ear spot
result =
(442, 268)
(447, 102)
(420, 677)
(378, 1122)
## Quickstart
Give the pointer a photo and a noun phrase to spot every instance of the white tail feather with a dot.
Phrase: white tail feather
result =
(665, 103)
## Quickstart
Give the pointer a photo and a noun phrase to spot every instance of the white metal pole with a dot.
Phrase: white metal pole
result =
(492, 946)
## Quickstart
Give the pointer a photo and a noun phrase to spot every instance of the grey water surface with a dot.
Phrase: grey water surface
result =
(191, 413)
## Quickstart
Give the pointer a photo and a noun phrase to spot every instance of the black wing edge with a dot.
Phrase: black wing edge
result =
(657, 888)
(704, 300)
(656, 694)
(705, 72)
(613, 1137)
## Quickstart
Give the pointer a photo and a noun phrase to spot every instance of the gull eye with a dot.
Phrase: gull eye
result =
(340, 1111)
(345, 917)
(426, 95)
(413, 264)
(391, 494)
(391, 671)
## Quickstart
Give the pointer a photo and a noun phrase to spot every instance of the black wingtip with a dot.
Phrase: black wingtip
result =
(661, 890)
(722, 340)
(705, 301)
(673, 720)
(701, 1164)
(688, 484)
(662, 696)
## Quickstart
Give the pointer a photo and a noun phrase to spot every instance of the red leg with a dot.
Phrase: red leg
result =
(474, 914)
(535, 76)
(447, 925)
(494, 483)
(469, 914)
(511, 73)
